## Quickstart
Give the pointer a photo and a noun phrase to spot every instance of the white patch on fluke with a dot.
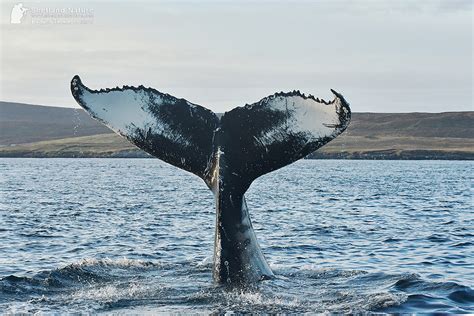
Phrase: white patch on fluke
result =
(127, 110)
(305, 115)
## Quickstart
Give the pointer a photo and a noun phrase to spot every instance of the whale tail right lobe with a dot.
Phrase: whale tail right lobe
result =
(279, 130)
(227, 153)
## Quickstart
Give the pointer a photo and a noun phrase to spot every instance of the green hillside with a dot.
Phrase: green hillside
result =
(40, 131)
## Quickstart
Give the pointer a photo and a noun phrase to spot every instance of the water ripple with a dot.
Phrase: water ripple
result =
(136, 236)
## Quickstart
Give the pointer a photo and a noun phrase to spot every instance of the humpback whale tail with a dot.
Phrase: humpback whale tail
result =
(227, 153)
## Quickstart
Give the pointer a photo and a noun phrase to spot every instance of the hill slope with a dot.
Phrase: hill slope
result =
(25, 123)
(447, 124)
(40, 131)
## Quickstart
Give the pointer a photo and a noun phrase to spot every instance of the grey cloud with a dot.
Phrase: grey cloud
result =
(383, 55)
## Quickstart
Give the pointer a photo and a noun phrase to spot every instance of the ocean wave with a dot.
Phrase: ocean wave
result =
(429, 295)
(86, 271)
(120, 284)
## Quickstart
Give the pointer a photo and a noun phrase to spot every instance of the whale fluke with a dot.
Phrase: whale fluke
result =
(227, 153)
(174, 130)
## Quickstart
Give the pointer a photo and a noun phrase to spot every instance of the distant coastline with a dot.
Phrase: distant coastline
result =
(46, 150)
(380, 155)
(33, 131)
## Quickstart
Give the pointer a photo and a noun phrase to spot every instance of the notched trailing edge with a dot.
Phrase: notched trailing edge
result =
(77, 82)
(299, 94)
(344, 115)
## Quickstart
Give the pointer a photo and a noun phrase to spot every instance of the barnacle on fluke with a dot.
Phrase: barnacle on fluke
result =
(227, 153)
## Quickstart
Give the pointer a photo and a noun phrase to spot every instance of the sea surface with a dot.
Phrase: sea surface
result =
(136, 236)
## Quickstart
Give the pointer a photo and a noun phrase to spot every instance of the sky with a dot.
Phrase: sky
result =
(383, 56)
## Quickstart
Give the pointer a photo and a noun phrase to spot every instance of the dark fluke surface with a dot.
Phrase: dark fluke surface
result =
(133, 235)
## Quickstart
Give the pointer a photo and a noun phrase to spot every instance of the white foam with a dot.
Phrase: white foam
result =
(115, 263)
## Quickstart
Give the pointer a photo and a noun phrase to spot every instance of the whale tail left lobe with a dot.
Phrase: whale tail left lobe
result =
(171, 129)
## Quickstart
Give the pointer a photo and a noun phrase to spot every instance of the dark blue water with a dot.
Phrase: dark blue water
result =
(136, 235)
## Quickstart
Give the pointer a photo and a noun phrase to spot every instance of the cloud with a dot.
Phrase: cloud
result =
(383, 55)
(456, 5)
